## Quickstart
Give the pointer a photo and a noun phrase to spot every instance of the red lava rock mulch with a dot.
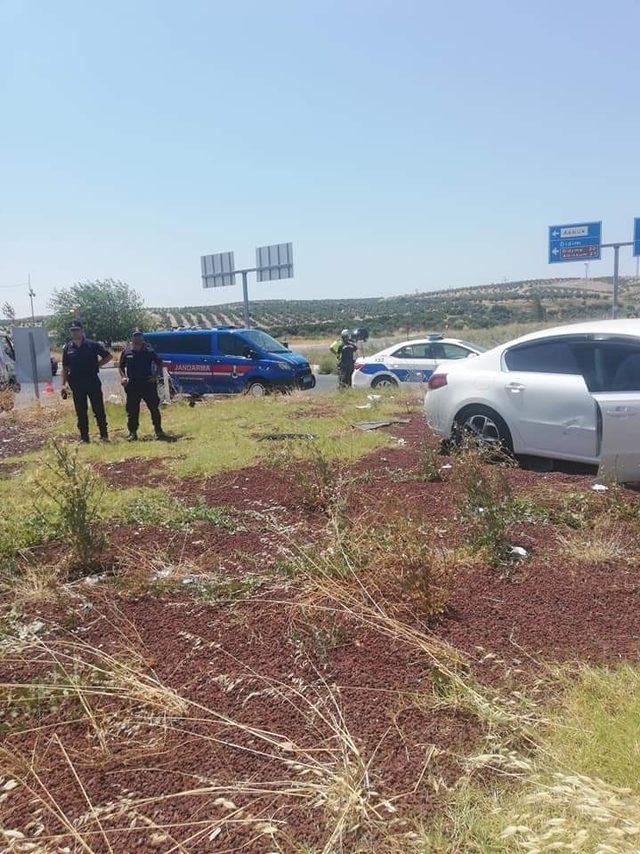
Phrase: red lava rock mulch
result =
(134, 471)
(20, 435)
(286, 671)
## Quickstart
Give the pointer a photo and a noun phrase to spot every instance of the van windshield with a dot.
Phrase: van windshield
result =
(262, 341)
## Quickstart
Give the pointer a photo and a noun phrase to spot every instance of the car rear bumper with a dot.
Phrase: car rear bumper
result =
(435, 415)
(360, 380)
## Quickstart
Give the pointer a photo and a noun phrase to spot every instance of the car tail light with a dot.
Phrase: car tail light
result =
(436, 381)
(358, 364)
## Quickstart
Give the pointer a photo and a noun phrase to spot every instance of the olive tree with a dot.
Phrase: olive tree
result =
(109, 310)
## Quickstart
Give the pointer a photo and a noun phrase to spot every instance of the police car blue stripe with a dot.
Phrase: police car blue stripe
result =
(403, 374)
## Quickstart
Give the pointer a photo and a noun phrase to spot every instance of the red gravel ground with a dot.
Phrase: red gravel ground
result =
(21, 434)
(293, 668)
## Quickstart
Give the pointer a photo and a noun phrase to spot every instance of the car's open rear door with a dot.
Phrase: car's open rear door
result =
(620, 435)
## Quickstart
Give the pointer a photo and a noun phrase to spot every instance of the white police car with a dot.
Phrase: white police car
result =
(410, 361)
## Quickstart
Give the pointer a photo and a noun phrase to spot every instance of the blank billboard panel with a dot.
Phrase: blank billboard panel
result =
(274, 262)
(218, 270)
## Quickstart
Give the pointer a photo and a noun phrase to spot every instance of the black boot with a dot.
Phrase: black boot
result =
(132, 437)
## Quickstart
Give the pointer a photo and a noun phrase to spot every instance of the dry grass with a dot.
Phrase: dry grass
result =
(605, 542)
(31, 584)
(332, 777)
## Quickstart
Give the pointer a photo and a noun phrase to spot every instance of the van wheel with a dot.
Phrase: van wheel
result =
(257, 388)
(485, 426)
(384, 382)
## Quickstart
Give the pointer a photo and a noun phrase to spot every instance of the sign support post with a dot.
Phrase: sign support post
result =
(581, 241)
(245, 299)
(34, 365)
(616, 273)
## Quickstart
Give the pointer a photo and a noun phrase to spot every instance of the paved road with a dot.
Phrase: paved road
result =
(111, 385)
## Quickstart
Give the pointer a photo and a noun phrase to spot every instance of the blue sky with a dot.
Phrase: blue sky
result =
(398, 145)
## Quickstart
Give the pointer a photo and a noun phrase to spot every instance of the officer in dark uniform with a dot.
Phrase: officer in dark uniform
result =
(139, 368)
(81, 362)
(347, 350)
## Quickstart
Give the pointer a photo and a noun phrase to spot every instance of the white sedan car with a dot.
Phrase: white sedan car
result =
(569, 393)
(409, 361)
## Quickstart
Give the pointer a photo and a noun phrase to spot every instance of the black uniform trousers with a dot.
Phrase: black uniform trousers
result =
(87, 391)
(344, 376)
(136, 391)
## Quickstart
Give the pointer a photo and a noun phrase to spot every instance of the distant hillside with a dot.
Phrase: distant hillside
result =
(481, 306)
(475, 307)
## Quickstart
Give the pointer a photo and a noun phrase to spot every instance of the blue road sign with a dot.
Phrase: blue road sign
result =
(578, 241)
(636, 236)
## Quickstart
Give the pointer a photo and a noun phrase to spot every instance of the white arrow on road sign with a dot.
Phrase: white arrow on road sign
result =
(555, 251)
(555, 233)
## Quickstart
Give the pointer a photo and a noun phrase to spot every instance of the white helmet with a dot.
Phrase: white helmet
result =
(345, 333)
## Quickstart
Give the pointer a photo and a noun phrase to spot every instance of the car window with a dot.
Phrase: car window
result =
(543, 357)
(617, 366)
(187, 345)
(414, 351)
(232, 345)
(442, 350)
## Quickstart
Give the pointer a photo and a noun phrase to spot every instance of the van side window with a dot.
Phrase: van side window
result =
(543, 357)
(231, 345)
(184, 345)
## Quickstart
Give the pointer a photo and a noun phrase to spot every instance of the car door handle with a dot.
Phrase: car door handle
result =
(515, 388)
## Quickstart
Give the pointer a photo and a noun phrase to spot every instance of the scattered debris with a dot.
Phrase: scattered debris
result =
(518, 553)
(28, 630)
(375, 425)
(599, 487)
(278, 437)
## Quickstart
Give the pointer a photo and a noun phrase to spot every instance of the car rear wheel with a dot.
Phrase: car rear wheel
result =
(483, 425)
(257, 388)
(384, 382)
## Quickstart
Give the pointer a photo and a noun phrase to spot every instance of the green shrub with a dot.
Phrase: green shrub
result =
(76, 492)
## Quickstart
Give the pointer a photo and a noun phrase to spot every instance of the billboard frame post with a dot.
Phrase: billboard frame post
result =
(245, 299)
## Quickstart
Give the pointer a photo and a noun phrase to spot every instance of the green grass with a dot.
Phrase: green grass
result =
(217, 435)
(224, 434)
(146, 506)
(580, 788)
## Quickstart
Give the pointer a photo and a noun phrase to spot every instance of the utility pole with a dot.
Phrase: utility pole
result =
(32, 293)
(586, 271)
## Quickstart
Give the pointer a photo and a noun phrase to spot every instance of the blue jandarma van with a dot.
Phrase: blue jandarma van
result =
(226, 360)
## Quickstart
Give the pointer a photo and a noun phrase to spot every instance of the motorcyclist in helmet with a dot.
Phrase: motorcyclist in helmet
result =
(345, 350)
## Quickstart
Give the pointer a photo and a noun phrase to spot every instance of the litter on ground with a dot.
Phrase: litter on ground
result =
(375, 425)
